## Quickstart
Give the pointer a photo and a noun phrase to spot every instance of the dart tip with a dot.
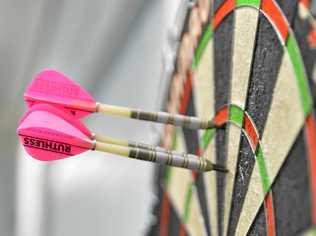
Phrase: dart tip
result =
(210, 166)
(213, 125)
(219, 168)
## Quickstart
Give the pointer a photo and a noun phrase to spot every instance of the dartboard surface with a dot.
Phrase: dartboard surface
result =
(250, 66)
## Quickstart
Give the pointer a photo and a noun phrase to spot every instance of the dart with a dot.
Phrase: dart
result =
(133, 144)
(48, 134)
(50, 86)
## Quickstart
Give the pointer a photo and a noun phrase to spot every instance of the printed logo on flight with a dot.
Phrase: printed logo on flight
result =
(55, 88)
(47, 145)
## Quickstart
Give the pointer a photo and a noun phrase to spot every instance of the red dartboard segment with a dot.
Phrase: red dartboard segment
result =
(222, 12)
(306, 3)
(270, 217)
(312, 38)
(164, 215)
(182, 231)
(273, 12)
(310, 134)
(221, 116)
(186, 93)
(251, 131)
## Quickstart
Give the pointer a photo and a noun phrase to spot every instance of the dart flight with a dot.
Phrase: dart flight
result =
(50, 86)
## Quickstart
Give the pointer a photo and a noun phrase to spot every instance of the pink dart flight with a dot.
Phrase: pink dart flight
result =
(50, 86)
(50, 134)
(54, 88)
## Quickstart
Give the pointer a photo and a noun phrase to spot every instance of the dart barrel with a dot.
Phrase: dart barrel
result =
(169, 157)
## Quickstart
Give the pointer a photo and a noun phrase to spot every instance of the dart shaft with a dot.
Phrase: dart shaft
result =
(167, 158)
(128, 143)
(159, 117)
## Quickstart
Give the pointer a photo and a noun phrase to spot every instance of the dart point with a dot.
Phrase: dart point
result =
(218, 168)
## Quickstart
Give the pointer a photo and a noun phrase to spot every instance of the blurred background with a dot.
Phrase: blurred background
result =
(114, 50)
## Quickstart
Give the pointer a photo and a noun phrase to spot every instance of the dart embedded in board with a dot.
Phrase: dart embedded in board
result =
(52, 87)
(48, 134)
(51, 129)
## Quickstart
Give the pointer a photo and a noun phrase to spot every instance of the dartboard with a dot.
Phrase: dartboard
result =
(250, 66)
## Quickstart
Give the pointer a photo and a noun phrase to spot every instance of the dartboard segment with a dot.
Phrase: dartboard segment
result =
(266, 62)
(245, 28)
(223, 53)
(289, 9)
(203, 79)
(291, 188)
(203, 93)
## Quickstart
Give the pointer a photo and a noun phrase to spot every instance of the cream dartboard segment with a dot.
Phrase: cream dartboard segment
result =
(251, 72)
